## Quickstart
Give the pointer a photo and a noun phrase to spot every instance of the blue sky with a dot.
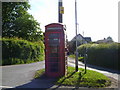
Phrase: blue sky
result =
(98, 19)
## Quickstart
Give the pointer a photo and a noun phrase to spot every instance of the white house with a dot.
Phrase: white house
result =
(81, 39)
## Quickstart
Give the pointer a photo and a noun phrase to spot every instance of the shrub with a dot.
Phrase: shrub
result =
(105, 55)
(18, 51)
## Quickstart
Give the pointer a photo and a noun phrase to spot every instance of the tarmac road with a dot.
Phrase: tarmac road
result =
(21, 76)
(15, 75)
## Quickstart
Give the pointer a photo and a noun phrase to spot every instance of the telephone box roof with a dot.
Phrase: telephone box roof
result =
(54, 24)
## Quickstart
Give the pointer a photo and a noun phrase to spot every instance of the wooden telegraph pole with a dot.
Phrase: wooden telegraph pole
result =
(76, 59)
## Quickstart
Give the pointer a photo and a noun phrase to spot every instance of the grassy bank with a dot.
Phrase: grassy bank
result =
(80, 79)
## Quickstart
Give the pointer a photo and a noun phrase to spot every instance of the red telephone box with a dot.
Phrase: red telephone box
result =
(55, 50)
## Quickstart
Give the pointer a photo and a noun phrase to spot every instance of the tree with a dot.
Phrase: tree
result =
(28, 28)
(17, 22)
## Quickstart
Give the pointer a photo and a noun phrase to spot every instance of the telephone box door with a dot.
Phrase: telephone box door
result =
(53, 53)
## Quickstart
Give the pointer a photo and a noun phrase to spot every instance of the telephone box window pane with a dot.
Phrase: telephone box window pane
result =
(53, 41)
(54, 67)
(54, 49)
(54, 35)
(53, 45)
(54, 59)
(53, 54)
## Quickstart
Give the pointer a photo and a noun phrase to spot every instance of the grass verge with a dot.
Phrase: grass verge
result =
(39, 73)
(79, 58)
(16, 61)
(72, 56)
(91, 79)
(81, 79)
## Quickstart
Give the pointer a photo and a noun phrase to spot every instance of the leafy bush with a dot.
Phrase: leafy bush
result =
(105, 55)
(18, 51)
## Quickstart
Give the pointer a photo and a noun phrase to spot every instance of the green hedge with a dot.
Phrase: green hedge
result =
(104, 55)
(18, 51)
